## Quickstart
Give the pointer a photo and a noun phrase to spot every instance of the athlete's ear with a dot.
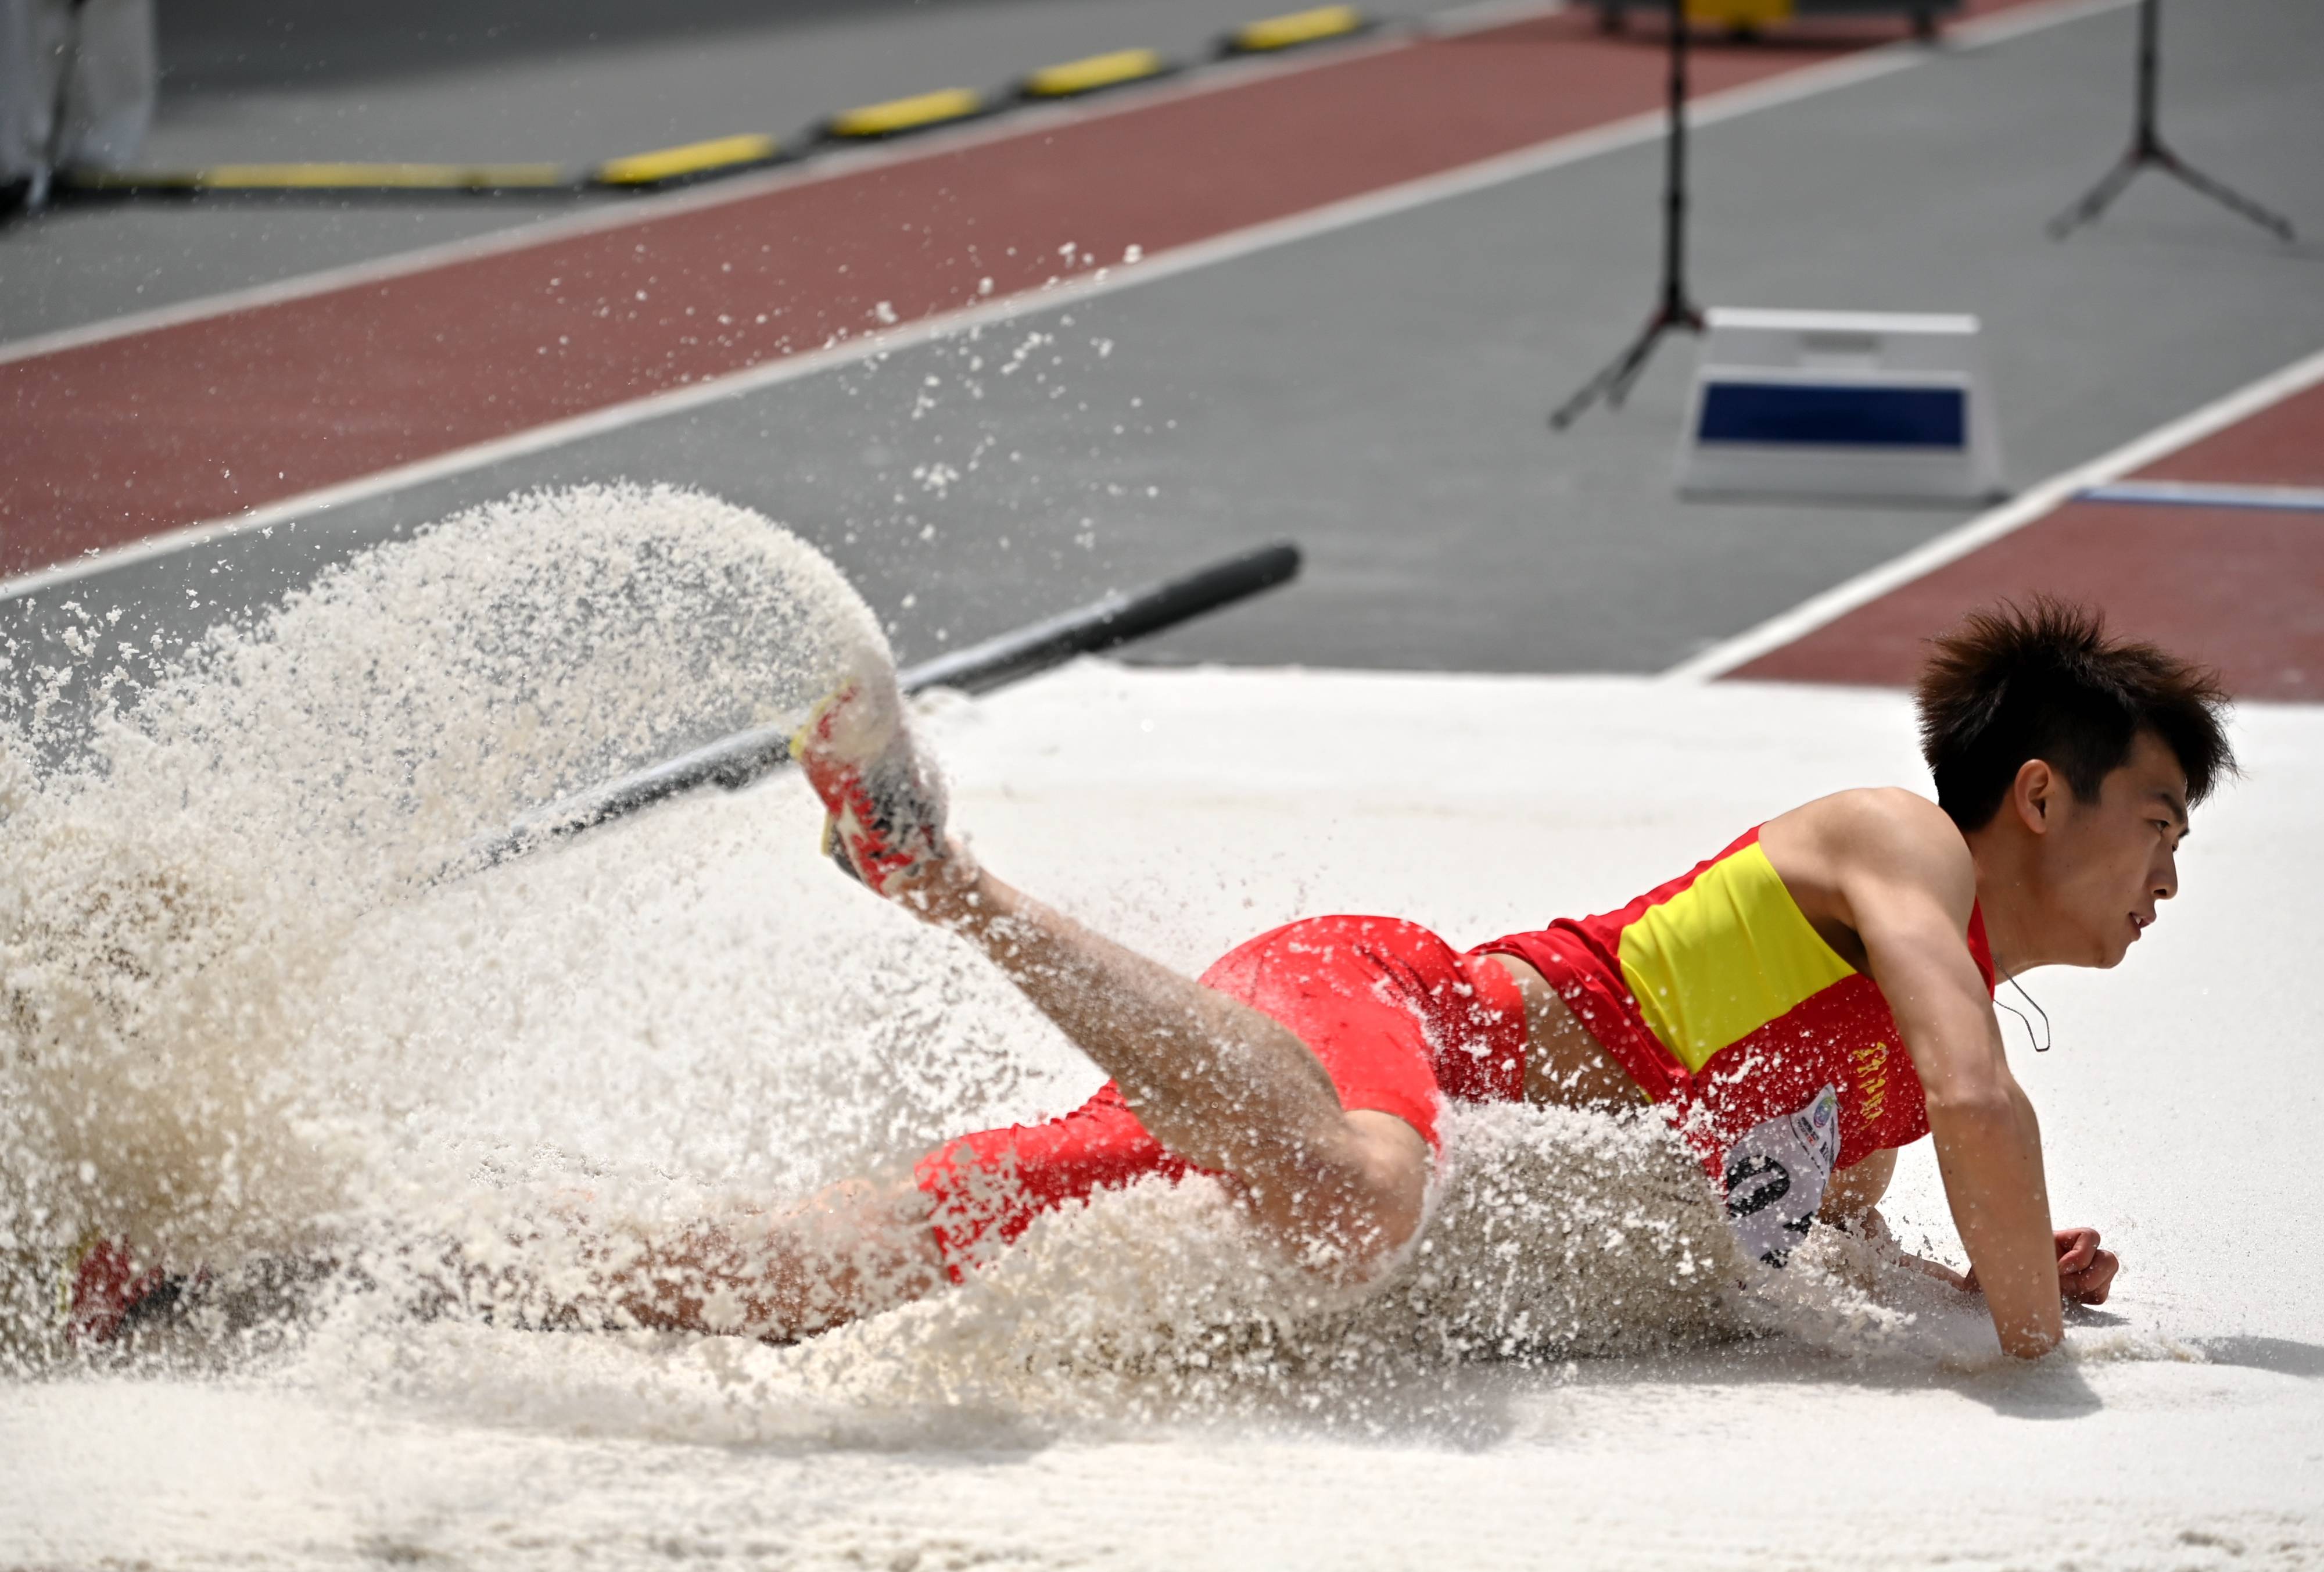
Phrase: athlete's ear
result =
(2032, 793)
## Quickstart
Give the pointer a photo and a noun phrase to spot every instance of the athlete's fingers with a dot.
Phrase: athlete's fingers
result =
(2080, 1277)
(2075, 1248)
(2091, 1285)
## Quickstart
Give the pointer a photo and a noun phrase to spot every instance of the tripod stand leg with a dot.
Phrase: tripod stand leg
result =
(2096, 200)
(2225, 196)
(1613, 383)
(2147, 147)
(1629, 369)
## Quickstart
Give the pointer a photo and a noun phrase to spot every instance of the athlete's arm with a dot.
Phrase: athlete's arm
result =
(1870, 1225)
(1908, 885)
(1852, 1202)
(1855, 1191)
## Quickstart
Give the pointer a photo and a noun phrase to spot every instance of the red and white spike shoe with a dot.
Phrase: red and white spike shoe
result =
(886, 804)
(103, 1289)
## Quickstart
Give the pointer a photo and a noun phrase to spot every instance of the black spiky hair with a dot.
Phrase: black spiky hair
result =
(2046, 680)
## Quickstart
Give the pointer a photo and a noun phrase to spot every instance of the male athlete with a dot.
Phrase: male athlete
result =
(1810, 999)
(1815, 996)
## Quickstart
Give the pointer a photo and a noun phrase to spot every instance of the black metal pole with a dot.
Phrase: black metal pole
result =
(1103, 624)
(1674, 171)
(2148, 150)
(736, 761)
(2147, 134)
(1674, 310)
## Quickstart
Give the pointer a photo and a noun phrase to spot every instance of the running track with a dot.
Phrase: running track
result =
(2240, 586)
(160, 428)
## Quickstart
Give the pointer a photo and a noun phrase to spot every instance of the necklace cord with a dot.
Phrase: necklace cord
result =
(2047, 1038)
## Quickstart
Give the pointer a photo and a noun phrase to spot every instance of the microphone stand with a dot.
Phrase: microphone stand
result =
(1676, 311)
(2147, 149)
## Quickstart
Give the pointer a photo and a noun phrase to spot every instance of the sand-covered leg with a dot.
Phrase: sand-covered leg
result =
(853, 1249)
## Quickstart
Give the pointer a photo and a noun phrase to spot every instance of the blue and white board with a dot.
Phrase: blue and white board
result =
(1840, 403)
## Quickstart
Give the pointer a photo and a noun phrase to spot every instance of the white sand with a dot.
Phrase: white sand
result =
(2184, 1426)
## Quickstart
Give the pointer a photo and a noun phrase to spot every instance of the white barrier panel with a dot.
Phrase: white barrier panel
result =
(1840, 403)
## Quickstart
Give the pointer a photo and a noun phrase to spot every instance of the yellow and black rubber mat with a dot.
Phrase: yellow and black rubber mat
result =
(669, 167)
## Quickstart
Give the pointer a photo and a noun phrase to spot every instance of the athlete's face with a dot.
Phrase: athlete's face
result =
(2110, 862)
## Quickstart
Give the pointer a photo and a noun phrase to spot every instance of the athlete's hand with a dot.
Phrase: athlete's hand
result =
(2085, 1273)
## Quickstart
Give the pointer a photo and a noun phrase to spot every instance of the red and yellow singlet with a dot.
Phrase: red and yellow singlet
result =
(1778, 1060)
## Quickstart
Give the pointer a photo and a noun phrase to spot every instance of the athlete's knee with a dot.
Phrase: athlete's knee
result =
(1346, 1212)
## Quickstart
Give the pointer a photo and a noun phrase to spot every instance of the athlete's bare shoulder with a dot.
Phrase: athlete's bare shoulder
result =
(1881, 823)
(1872, 843)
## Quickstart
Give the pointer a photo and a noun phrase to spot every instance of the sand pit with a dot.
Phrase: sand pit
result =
(693, 1010)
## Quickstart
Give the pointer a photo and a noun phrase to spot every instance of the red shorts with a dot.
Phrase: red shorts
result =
(1396, 1015)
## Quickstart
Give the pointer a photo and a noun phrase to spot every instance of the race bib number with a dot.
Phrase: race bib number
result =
(1776, 1175)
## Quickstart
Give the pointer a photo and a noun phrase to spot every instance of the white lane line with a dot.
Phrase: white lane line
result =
(1847, 70)
(2198, 494)
(2016, 515)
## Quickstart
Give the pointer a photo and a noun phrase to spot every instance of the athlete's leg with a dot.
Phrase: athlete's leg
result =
(853, 1249)
(1216, 1082)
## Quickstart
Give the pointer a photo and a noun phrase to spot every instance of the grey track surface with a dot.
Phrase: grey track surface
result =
(1378, 394)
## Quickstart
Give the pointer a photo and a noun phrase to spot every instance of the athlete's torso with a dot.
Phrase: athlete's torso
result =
(1717, 996)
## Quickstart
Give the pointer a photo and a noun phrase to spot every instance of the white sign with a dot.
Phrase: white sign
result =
(1868, 404)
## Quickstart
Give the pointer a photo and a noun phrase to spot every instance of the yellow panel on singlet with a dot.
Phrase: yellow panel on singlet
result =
(1724, 956)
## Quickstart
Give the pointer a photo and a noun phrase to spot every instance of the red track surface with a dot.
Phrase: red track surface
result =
(2241, 589)
(113, 441)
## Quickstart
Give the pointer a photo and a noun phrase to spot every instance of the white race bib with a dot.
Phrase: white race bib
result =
(1776, 1175)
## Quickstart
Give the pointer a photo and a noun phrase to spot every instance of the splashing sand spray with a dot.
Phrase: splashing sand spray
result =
(245, 1024)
